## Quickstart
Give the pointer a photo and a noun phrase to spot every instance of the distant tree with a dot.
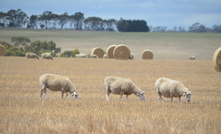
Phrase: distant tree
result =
(20, 40)
(132, 26)
(63, 18)
(46, 17)
(79, 19)
(216, 28)
(93, 23)
(33, 21)
(16, 18)
(197, 27)
(159, 29)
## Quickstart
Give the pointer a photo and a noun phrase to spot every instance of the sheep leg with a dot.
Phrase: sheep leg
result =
(127, 97)
(160, 97)
(179, 99)
(121, 94)
(171, 100)
(107, 96)
(43, 90)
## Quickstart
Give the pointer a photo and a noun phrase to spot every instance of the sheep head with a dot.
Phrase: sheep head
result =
(74, 95)
(187, 94)
(140, 94)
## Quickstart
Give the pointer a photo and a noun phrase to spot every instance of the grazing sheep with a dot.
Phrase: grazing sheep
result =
(105, 56)
(93, 56)
(120, 86)
(57, 83)
(193, 57)
(131, 56)
(31, 55)
(81, 55)
(171, 88)
(46, 56)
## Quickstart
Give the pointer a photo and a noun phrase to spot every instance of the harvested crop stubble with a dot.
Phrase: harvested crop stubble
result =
(121, 52)
(2, 50)
(147, 54)
(110, 51)
(98, 51)
(217, 60)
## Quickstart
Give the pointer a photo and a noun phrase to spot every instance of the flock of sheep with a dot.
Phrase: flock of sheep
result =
(35, 56)
(116, 85)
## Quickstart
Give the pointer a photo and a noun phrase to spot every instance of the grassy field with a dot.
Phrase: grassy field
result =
(23, 112)
(165, 46)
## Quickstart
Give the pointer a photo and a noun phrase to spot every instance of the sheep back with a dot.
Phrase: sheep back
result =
(170, 88)
(47, 56)
(31, 55)
(118, 85)
(57, 82)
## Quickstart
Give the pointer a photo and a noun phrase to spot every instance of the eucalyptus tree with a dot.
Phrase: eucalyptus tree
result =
(17, 18)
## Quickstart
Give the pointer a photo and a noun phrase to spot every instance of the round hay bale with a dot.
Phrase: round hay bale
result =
(217, 60)
(147, 54)
(110, 51)
(121, 52)
(98, 51)
(2, 50)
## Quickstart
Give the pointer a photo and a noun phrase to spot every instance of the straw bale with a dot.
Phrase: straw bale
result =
(217, 60)
(98, 51)
(121, 52)
(110, 51)
(147, 54)
(2, 50)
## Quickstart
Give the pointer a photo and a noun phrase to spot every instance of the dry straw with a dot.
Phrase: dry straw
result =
(2, 50)
(147, 54)
(98, 51)
(217, 60)
(121, 52)
(110, 51)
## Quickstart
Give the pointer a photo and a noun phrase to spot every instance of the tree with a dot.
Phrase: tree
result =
(93, 23)
(197, 27)
(63, 18)
(132, 26)
(78, 18)
(16, 18)
(216, 28)
(46, 17)
(20, 40)
(33, 21)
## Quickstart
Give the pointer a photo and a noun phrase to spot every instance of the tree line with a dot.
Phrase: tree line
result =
(77, 21)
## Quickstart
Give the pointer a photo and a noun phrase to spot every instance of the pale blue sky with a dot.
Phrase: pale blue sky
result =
(167, 13)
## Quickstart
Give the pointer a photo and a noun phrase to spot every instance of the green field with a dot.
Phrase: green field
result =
(165, 46)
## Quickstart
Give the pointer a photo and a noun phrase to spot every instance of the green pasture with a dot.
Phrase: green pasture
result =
(173, 46)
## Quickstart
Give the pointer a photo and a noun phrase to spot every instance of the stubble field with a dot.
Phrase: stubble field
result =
(23, 112)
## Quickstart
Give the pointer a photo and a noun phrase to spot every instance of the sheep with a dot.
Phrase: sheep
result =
(31, 55)
(57, 83)
(171, 88)
(81, 55)
(46, 56)
(120, 86)
(105, 56)
(131, 56)
(193, 57)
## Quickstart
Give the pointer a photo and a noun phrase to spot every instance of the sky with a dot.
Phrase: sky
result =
(168, 13)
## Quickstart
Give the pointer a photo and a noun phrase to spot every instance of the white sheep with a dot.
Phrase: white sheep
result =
(31, 55)
(131, 56)
(81, 55)
(120, 86)
(46, 56)
(171, 88)
(193, 57)
(57, 83)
